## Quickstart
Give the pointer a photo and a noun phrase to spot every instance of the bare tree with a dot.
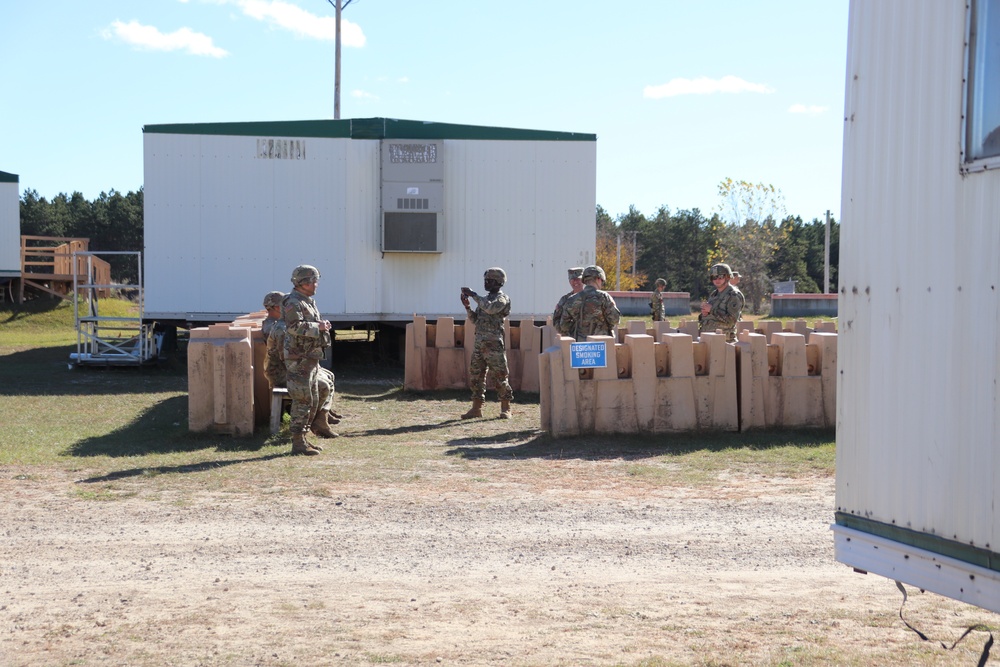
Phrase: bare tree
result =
(339, 6)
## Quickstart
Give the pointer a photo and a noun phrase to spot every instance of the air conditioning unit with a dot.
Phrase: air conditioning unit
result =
(412, 195)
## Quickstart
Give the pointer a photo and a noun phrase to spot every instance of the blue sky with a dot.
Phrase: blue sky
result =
(680, 94)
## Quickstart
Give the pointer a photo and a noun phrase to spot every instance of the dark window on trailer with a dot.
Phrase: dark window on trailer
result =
(982, 102)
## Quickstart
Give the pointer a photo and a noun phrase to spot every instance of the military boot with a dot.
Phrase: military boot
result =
(302, 446)
(476, 410)
(321, 427)
(505, 412)
(336, 415)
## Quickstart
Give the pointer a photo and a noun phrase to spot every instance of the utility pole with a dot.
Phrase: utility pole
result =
(339, 6)
(618, 265)
(826, 256)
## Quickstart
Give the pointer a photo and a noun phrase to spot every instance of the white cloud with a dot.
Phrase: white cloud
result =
(704, 86)
(363, 95)
(150, 37)
(302, 23)
(811, 110)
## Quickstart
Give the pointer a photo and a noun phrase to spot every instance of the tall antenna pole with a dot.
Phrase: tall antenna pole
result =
(339, 6)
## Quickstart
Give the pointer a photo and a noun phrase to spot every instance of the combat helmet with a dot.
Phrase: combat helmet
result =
(304, 273)
(593, 271)
(661, 281)
(721, 270)
(273, 299)
(497, 274)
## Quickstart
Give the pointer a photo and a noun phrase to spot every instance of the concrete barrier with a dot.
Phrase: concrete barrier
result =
(220, 380)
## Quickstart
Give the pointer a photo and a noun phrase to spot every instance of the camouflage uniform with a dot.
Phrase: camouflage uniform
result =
(576, 273)
(274, 362)
(304, 346)
(488, 351)
(656, 305)
(727, 306)
(592, 312)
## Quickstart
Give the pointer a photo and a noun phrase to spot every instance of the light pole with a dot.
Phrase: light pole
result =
(339, 6)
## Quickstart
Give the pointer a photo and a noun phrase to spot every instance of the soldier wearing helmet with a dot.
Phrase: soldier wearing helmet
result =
(656, 300)
(723, 308)
(307, 336)
(576, 286)
(592, 312)
(488, 353)
(273, 330)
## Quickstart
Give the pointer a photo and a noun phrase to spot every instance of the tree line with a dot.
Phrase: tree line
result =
(749, 232)
(112, 222)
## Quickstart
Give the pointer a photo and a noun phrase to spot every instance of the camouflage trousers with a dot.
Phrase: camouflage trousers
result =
(489, 355)
(310, 387)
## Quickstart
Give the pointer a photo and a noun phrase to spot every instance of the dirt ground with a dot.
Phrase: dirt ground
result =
(448, 571)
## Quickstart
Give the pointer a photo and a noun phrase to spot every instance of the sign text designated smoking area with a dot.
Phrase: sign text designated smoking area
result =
(588, 355)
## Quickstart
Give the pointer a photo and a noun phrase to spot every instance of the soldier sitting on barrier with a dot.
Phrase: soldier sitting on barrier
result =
(592, 312)
(489, 352)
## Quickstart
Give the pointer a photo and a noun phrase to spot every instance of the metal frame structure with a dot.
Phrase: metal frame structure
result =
(103, 340)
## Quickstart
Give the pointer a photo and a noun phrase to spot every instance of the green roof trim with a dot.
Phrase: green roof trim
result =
(367, 128)
(933, 543)
(7, 178)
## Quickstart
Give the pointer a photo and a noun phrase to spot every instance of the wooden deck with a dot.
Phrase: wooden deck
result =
(48, 265)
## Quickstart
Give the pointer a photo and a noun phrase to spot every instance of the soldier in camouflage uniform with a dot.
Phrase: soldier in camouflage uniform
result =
(656, 300)
(273, 329)
(723, 309)
(306, 338)
(592, 312)
(576, 283)
(488, 352)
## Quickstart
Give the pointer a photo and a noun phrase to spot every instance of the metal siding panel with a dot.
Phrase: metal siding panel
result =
(917, 402)
(525, 205)
(10, 229)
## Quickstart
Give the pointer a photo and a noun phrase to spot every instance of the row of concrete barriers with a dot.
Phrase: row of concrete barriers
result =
(658, 378)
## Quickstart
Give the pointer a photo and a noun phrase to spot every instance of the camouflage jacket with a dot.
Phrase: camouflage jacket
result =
(656, 305)
(303, 338)
(589, 313)
(267, 325)
(727, 306)
(557, 313)
(274, 361)
(489, 315)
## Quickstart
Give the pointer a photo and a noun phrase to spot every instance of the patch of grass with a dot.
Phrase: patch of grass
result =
(128, 427)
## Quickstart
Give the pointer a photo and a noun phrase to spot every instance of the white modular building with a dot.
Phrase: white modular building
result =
(918, 427)
(10, 227)
(397, 215)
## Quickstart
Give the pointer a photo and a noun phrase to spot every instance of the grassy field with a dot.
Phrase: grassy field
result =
(132, 421)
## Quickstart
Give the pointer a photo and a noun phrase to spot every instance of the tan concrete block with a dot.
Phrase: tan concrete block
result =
(792, 354)
(614, 407)
(444, 332)
(413, 378)
(636, 327)
(661, 354)
(544, 374)
(750, 386)
(623, 360)
(220, 380)
(643, 380)
(675, 409)
(768, 328)
(450, 371)
(680, 355)
(609, 372)
(660, 328)
(716, 356)
(798, 326)
(825, 326)
(800, 400)
(419, 331)
(689, 327)
(826, 344)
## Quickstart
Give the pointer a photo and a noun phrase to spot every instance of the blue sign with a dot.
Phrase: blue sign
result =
(588, 355)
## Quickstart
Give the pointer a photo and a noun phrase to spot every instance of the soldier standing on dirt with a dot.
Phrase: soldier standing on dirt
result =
(489, 353)
(306, 338)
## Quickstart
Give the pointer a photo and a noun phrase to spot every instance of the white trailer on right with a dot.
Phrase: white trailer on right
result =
(918, 399)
